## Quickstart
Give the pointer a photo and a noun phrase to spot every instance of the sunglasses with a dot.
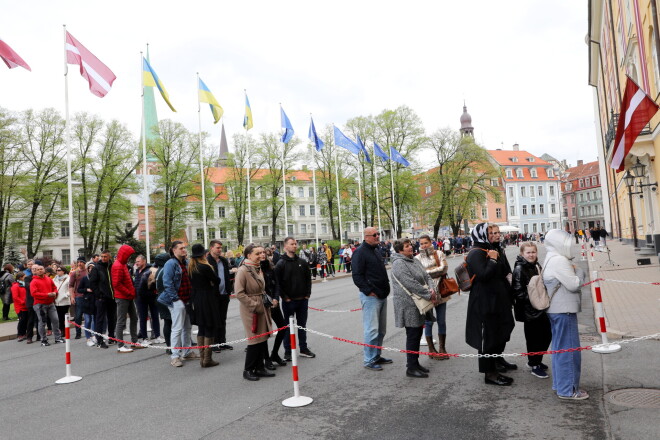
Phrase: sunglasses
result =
(377, 234)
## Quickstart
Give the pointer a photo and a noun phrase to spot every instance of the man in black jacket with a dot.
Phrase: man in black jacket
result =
(220, 266)
(370, 276)
(294, 286)
(106, 309)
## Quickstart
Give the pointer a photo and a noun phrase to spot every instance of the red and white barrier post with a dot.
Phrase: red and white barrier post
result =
(324, 268)
(606, 346)
(69, 378)
(297, 400)
(584, 255)
(592, 255)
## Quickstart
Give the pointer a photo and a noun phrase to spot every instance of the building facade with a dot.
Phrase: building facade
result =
(583, 195)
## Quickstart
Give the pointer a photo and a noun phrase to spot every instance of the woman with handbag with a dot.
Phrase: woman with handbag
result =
(411, 285)
(537, 325)
(489, 320)
(268, 271)
(205, 300)
(249, 287)
(435, 264)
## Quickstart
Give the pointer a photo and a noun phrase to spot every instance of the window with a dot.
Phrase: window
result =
(211, 233)
(569, 186)
(552, 190)
(588, 210)
(303, 229)
(264, 231)
(522, 191)
(223, 233)
(554, 225)
(289, 211)
(531, 191)
(532, 173)
(64, 204)
(313, 225)
(255, 231)
(66, 256)
(221, 211)
(199, 234)
(540, 191)
(581, 183)
(541, 209)
(524, 209)
(289, 229)
(543, 227)
(64, 229)
(512, 210)
(553, 210)
(514, 159)
(312, 209)
(484, 212)
(322, 211)
(533, 209)
(302, 210)
(531, 159)
(293, 178)
(581, 210)
(48, 254)
(573, 211)
(510, 191)
(301, 191)
(310, 191)
(498, 212)
(526, 228)
(324, 228)
(596, 195)
(494, 182)
(509, 173)
(288, 191)
(473, 213)
(582, 197)
(588, 197)
(356, 227)
(519, 173)
(535, 228)
(427, 190)
(594, 181)
(550, 172)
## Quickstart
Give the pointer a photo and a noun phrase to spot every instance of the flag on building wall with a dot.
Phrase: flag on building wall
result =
(150, 79)
(341, 140)
(379, 152)
(97, 74)
(286, 125)
(316, 140)
(637, 109)
(206, 96)
(397, 157)
(11, 58)
(247, 119)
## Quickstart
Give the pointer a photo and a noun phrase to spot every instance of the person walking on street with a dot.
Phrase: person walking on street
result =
(370, 277)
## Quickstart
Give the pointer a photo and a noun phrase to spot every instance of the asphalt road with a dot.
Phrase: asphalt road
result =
(140, 395)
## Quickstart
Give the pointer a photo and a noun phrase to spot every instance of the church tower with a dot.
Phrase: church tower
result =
(466, 123)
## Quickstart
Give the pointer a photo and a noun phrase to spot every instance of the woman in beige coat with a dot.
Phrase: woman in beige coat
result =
(249, 288)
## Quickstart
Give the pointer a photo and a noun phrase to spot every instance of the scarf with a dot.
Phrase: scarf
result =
(480, 234)
(249, 263)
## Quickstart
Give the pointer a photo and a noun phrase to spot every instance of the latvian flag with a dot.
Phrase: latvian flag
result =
(11, 58)
(99, 76)
(637, 109)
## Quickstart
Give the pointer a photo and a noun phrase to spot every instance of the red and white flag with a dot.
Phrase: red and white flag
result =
(99, 76)
(637, 109)
(11, 58)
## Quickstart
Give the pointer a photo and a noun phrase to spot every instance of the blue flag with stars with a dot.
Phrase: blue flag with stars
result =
(396, 157)
(318, 143)
(363, 148)
(286, 125)
(379, 152)
(341, 140)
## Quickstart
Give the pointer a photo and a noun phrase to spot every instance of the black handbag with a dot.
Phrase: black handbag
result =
(268, 301)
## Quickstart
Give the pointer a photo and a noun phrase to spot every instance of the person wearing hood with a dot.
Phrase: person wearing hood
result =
(536, 323)
(489, 319)
(563, 278)
(409, 278)
(124, 290)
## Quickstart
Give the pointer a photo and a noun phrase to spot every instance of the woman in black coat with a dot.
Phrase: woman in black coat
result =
(489, 318)
(537, 325)
(206, 302)
(268, 271)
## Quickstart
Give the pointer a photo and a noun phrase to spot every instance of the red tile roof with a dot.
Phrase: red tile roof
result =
(505, 158)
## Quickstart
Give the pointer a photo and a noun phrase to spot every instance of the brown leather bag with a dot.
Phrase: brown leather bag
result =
(447, 286)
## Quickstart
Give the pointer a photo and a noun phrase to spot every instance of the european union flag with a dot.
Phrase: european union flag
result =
(341, 140)
(379, 152)
(318, 143)
(363, 148)
(396, 157)
(286, 125)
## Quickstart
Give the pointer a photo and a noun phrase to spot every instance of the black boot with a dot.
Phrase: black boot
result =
(249, 375)
(274, 357)
(414, 372)
(269, 365)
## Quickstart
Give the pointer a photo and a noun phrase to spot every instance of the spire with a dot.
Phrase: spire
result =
(466, 123)
(224, 149)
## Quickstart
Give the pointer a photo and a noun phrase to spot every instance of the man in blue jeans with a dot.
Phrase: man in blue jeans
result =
(370, 276)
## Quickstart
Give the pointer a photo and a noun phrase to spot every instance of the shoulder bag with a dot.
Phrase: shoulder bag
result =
(422, 304)
(463, 277)
(537, 293)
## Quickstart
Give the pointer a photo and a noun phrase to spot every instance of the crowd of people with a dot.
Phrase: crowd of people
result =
(272, 287)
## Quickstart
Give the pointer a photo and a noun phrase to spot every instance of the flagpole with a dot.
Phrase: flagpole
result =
(396, 234)
(360, 198)
(249, 198)
(201, 165)
(337, 181)
(145, 189)
(316, 208)
(286, 214)
(375, 169)
(68, 153)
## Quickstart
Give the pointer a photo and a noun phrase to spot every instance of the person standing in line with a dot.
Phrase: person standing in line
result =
(270, 286)
(276, 255)
(86, 304)
(565, 280)
(100, 281)
(370, 277)
(313, 261)
(348, 255)
(175, 295)
(122, 285)
(63, 300)
(489, 320)
(18, 298)
(32, 320)
(435, 264)
(206, 302)
(536, 323)
(44, 293)
(6, 281)
(152, 285)
(331, 260)
(75, 276)
(255, 314)
(322, 258)
(295, 288)
(222, 269)
(145, 301)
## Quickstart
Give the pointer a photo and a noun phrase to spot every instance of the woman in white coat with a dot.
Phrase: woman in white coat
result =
(563, 281)
(63, 299)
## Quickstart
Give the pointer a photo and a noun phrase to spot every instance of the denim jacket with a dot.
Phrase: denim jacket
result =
(171, 282)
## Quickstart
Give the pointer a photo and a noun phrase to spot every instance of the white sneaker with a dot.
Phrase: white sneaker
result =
(90, 343)
(144, 342)
(124, 349)
(158, 340)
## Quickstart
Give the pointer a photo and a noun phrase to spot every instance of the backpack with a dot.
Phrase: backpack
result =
(463, 277)
(159, 281)
(537, 293)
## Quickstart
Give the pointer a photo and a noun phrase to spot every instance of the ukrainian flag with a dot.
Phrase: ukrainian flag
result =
(205, 95)
(247, 120)
(150, 79)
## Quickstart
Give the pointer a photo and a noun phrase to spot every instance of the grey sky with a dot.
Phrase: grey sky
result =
(521, 66)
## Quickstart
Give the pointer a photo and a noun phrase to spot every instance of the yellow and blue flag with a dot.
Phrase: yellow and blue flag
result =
(247, 120)
(150, 79)
(205, 95)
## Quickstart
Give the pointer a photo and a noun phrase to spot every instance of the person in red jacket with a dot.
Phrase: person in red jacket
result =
(122, 285)
(44, 292)
(18, 298)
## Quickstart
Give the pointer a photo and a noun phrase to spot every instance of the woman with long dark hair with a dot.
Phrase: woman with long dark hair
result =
(268, 270)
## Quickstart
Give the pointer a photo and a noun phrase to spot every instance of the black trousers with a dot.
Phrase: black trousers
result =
(413, 336)
(32, 321)
(488, 365)
(5, 311)
(538, 336)
(61, 313)
(22, 323)
(255, 356)
(106, 317)
(221, 329)
(278, 319)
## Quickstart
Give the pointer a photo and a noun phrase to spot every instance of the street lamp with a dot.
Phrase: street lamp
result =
(629, 179)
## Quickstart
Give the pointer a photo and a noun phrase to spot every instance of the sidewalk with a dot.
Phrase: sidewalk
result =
(632, 308)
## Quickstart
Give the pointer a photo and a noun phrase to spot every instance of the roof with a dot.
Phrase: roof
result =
(520, 160)
(588, 169)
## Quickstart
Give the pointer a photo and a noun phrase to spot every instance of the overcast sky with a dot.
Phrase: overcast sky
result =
(521, 66)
